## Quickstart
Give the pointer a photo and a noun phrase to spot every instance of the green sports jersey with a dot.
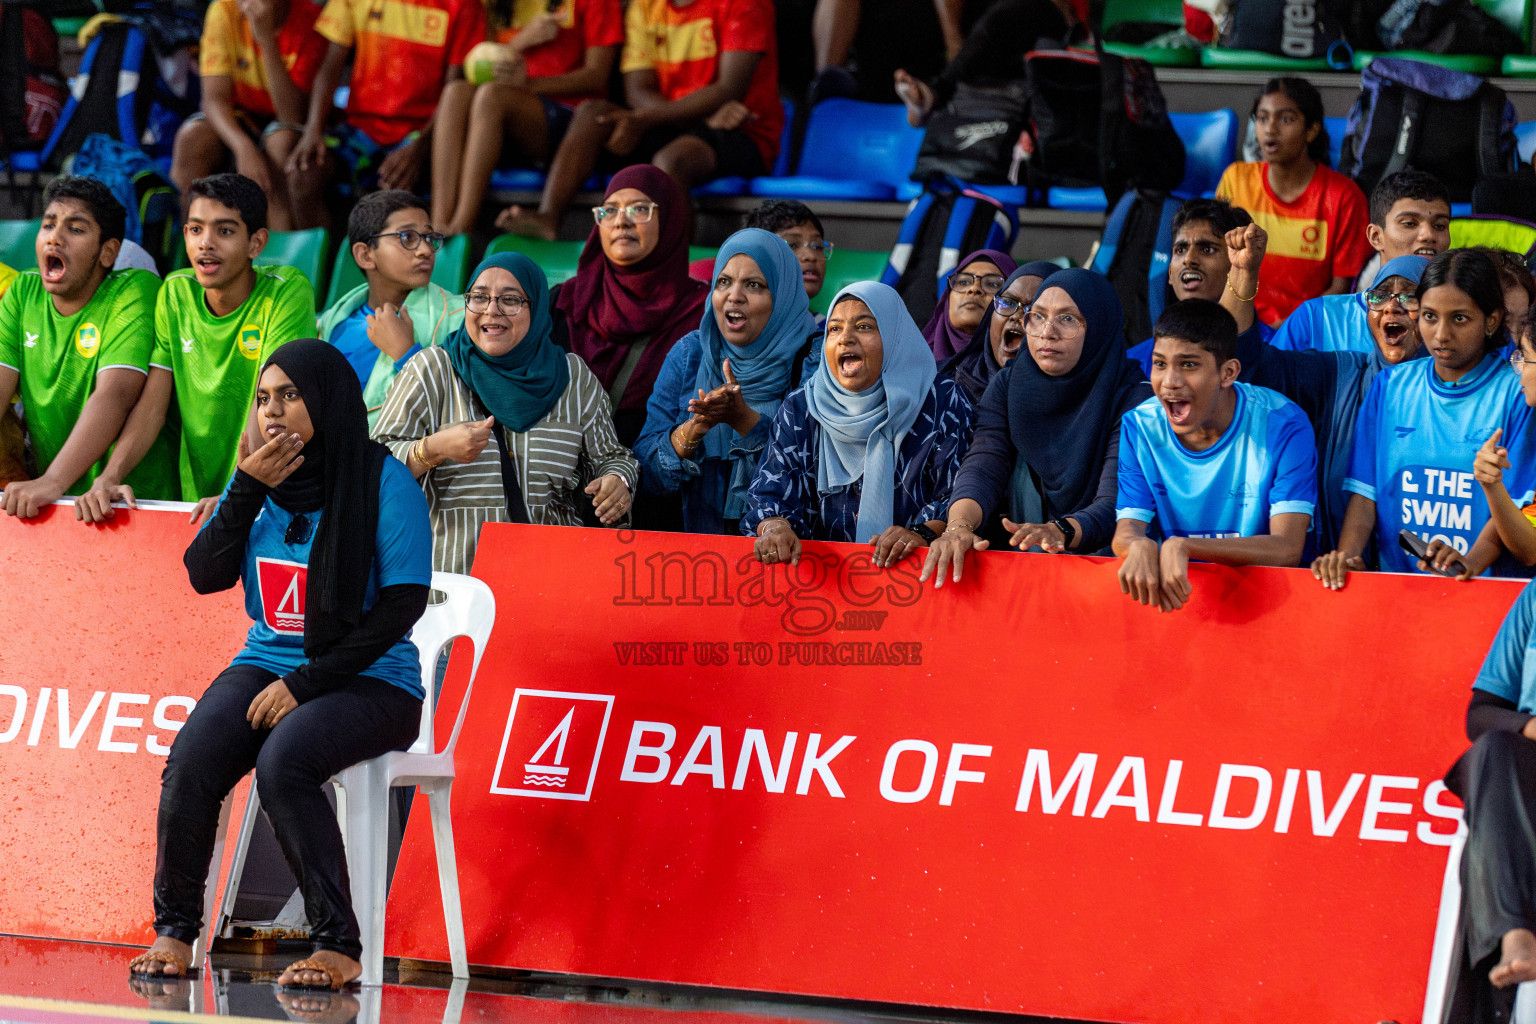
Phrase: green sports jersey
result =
(215, 360)
(59, 357)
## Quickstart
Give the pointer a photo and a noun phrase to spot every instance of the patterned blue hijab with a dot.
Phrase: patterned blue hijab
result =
(862, 431)
(764, 367)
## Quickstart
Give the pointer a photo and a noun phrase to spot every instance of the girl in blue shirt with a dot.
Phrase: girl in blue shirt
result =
(330, 538)
(1421, 426)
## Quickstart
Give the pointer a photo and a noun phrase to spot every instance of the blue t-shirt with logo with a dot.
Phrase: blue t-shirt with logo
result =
(1264, 464)
(1414, 446)
(274, 575)
(1328, 323)
(350, 337)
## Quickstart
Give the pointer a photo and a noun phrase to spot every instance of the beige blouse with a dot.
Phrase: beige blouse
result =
(555, 458)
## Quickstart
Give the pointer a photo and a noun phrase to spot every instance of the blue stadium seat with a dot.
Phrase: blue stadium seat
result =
(1210, 144)
(517, 179)
(723, 187)
(1335, 126)
(853, 151)
(23, 162)
(1525, 139)
(1077, 200)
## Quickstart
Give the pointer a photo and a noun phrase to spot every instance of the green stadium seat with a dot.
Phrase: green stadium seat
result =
(452, 265)
(846, 267)
(303, 250)
(18, 243)
(557, 259)
(1158, 56)
(1473, 63)
(1514, 14)
(345, 275)
(69, 28)
(1519, 65)
(702, 252)
(1496, 232)
(1157, 12)
(1257, 60)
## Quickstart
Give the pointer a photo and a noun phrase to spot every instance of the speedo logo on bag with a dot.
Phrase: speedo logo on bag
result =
(967, 135)
(1297, 39)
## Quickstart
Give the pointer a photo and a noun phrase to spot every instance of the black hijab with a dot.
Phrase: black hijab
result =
(974, 366)
(1061, 425)
(340, 474)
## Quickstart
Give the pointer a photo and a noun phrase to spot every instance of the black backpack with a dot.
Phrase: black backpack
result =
(1301, 29)
(1454, 125)
(972, 136)
(1134, 254)
(1138, 145)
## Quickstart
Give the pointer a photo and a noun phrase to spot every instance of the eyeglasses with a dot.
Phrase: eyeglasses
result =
(1068, 325)
(1381, 298)
(411, 239)
(1518, 361)
(822, 249)
(299, 529)
(990, 283)
(1009, 308)
(640, 213)
(509, 303)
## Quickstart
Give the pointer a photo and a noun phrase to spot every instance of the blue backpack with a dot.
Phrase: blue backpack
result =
(1454, 125)
(135, 182)
(943, 224)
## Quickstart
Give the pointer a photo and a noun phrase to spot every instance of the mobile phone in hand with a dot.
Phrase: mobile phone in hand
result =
(1418, 547)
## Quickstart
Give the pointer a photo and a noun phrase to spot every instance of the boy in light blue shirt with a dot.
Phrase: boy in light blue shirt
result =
(1210, 469)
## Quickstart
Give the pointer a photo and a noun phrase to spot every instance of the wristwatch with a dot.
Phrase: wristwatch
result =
(1066, 529)
(925, 532)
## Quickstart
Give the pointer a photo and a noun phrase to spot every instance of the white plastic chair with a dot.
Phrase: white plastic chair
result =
(468, 610)
(1445, 944)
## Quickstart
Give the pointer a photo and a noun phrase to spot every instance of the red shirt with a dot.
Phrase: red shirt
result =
(1316, 238)
(583, 25)
(228, 50)
(683, 46)
(403, 51)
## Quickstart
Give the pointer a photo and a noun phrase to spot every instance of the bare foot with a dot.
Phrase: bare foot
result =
(153, 962)
(319, 1007)
(918, 97)
(345, 967)
(529, 223)
(1518, 960)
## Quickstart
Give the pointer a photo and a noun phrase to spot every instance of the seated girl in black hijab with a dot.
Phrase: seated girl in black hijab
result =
(329, 536)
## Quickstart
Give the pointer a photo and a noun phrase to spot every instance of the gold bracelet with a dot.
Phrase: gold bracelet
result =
(1242, 298)
(690, 445)
(419, 450)
(960, 525)
(773, 519)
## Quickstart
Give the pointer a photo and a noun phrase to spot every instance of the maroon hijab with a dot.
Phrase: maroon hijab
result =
(944, 337)
(607, 307)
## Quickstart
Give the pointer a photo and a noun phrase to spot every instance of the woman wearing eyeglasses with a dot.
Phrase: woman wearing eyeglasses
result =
(963, 304)
(632, 298)
(397, 311)
(1001, 333)
(866, 451)
(329, 537)
(500, 425)
(1047, 444)
(711, 413)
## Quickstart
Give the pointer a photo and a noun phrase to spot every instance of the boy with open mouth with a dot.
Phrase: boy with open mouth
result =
(215, 324)
(1210, 469)
(75, 340)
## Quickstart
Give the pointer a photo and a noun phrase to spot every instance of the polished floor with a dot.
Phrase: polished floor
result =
(43, 981)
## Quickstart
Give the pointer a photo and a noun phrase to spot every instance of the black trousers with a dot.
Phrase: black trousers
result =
(1496, 781)
(293, 761)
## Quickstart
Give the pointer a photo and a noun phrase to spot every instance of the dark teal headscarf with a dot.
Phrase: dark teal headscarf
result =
(520, 387)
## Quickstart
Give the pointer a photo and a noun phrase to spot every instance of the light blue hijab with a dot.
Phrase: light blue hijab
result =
(764, 367)
(862, 431)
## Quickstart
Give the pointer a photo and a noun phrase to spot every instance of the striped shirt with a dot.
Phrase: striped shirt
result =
(555, 458)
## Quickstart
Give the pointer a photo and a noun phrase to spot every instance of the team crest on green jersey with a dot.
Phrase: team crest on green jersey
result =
(250, 341)
(87, 340)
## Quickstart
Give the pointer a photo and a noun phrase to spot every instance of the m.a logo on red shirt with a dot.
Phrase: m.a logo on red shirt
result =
(280, 585)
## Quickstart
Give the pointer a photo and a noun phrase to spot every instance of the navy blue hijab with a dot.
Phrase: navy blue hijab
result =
(974, 366)
(1061, 425)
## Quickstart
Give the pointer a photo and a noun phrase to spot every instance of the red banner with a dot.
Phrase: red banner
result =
(1021, 793)
(105, 649)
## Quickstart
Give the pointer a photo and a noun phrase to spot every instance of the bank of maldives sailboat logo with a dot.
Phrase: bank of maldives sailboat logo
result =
(551, 744)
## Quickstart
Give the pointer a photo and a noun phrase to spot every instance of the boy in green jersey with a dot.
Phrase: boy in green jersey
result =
(215, 324)
(75, 342)
(398, 311)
